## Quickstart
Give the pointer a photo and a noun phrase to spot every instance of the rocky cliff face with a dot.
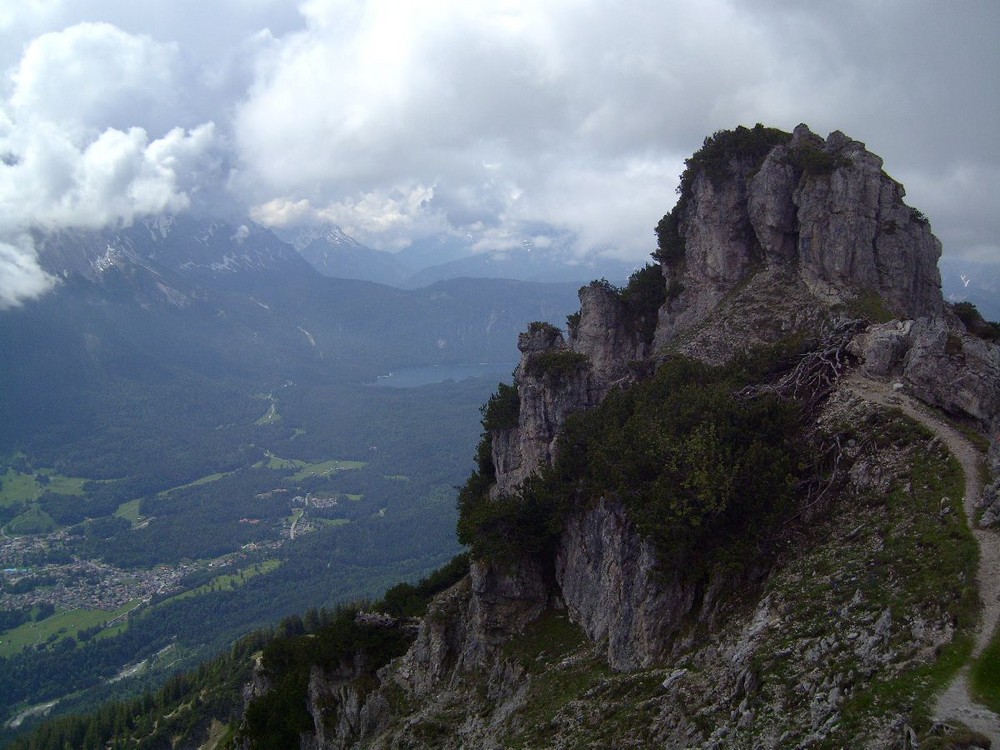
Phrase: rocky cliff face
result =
(556, 378)
(612, 585)
(789, 242)
(818, 217)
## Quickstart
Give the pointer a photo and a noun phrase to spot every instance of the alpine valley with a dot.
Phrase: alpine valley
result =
(193, 446)
(743, 501)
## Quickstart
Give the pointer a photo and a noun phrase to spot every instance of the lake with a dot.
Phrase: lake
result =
(412, 377)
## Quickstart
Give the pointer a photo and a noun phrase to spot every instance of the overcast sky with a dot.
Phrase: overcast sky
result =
(504, 120)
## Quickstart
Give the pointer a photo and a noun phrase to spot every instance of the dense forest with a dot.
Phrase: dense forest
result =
(187, 704)
(386, 460)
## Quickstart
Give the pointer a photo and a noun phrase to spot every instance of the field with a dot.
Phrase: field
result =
(229, 580)
(21, 487)
(60, 625)
(306, 469)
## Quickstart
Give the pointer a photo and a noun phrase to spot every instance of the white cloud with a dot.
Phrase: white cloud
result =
(93, 76)
(66, 163)
(21, 278)
(505, 120)
(583, 110)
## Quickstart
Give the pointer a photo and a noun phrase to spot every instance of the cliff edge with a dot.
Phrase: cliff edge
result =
(686, 530)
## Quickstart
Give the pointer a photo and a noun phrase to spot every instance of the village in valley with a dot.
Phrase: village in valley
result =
(40, 574)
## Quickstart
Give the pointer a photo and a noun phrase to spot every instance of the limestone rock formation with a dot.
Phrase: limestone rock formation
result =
(556, 378)
(821, 215)
(610, 581)
(937, 361)
(769, 242)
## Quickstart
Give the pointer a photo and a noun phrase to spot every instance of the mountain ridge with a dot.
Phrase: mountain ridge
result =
(686, 527)
(783, 257)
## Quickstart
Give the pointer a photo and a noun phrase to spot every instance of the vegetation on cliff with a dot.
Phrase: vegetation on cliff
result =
(975, 323)
(698, 468)
(721, 152)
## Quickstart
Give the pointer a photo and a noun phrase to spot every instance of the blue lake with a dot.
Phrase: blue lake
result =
(412, 377)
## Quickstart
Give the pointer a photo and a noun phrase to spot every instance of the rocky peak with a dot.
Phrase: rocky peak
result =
(822, 214)
(553, 381)
(602, 333)
(556, 378)
(774, 234)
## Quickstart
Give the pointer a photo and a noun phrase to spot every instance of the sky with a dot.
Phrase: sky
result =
(499, 120)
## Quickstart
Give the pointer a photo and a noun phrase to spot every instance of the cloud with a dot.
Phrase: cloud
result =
(579, 114)
(93, 75)
(501, 121)
(52, 182)
(493, 106)
(21, 278)
(65, 163)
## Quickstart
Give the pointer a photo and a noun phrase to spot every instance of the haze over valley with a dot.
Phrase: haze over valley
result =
(499, 375)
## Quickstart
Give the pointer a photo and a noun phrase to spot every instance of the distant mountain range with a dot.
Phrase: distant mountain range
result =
(333, 253)
(182, 297)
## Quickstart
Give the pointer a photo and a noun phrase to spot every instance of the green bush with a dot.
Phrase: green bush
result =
(555, 366)
(812, 159)
(540, 326)
(975, 323)
(670, 247)
(697, 470)
(869, 306)
(720, 150)
(643, 296)
(502, 410)
(407, 600)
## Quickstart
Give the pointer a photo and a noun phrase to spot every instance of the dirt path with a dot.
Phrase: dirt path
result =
(954, 704)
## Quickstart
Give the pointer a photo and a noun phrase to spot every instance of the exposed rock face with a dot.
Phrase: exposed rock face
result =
(991, 493)
(546, 400)
(339, 710)
(505, 598)
(938, 363)
(824, 212)
(443, 639)
(551, 386)
(602, 335)
(959, 374)
(935, 360)
(778, 247)
(611, 583)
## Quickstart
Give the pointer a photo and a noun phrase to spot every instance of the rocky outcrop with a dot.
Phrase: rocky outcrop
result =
(824, 214)
(939, 363)
(602, 334)
(809, 234)
(552, 383)
(855, 234)
(556, 378)
(991, 493)
(442, 641)
(612, 585)
(341, 709)
(957, 373)
(507, 595)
